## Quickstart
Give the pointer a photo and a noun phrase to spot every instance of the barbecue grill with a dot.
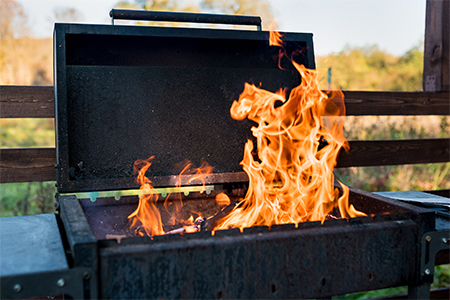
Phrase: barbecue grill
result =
(128, 92)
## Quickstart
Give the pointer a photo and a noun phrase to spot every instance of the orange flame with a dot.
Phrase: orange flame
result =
(148, 214)
(274, 35)
(196, 174)
(292, 179)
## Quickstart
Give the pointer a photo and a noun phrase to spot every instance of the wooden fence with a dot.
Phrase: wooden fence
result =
(37, 164)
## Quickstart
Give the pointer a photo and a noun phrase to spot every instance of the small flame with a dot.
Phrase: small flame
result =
(199, 173)
(274, 35)
(298, 141)
(147, 213)
(173, 206)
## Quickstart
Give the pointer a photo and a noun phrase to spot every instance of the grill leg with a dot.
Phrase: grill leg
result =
(419, 291)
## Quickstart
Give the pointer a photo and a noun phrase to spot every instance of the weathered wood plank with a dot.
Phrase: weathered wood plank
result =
(365, 103)
(446, 47)
(395, 152)
(27, 102)
(27, 164)
(434, 51)
(38, 102)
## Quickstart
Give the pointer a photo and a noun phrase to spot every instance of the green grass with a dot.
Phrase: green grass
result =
(26, 198)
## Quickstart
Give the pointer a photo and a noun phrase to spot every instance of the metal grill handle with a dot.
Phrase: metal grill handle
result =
(164, 16)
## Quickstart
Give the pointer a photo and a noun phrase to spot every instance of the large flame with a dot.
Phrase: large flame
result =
(298, 140)
(291, 179)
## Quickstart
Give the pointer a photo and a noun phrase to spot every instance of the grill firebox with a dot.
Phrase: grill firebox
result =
(284, 261)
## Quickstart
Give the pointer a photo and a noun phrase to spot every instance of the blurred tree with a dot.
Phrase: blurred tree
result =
(13, 30)
(23, 59)
(260, 8)
(67, 15)
(407, 72)
(13, 21)
(159, 5)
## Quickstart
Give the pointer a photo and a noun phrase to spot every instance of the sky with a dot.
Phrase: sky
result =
(394, 25)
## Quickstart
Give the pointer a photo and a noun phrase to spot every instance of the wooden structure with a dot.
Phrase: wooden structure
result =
(37, 164)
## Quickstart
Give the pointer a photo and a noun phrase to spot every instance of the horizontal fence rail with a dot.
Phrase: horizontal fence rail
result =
(27, 165)
(27, 102)
(38, 102)
(394, 152)
(361, 103)
(37, 164)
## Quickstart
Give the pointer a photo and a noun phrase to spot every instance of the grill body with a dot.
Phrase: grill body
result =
(312, 260)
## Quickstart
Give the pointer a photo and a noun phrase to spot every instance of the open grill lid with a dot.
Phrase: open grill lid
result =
(125, 93)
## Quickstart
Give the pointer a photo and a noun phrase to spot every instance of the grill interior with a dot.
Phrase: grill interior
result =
(107, 216)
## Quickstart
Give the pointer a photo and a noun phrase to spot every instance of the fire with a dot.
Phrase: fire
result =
(147, 216)
(146, 212)
(275, 36)
(291, 180)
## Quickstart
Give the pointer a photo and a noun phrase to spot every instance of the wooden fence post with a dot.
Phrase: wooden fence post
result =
(436, 48)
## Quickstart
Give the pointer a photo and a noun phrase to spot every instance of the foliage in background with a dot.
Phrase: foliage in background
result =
(66, 15)
(27, 133)
(403, 177)
(260, 8)
(27, 198)
(369, 68)
(160, 5)
(23, 60)
(13, 21)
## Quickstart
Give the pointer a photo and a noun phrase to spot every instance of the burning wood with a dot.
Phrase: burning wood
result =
(212, 222)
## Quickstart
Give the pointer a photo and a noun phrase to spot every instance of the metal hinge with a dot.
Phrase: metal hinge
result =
(432, 242)
(430, 84)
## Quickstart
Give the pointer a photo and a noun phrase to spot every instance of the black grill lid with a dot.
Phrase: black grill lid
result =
(130, 92)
